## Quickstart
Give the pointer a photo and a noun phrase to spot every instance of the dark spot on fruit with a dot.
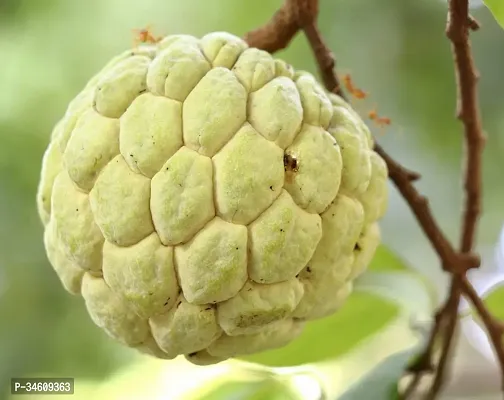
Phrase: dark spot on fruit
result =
(281, 230)
(237, 248)
(308, 269)
(165, 304)
(290, 163)
(271, 187)
(151, 293)
(258, 318)
(76, 209)
(297, 276)
(357, 247)
(208, 308)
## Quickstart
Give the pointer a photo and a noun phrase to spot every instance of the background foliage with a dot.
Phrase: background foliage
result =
(393, 48)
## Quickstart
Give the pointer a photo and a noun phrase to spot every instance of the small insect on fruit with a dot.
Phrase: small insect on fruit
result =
(354, 91)
(144, 36)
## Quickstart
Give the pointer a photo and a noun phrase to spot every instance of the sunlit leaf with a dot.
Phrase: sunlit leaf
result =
(494, 301)
(270, 389)
(378, 377)
(497, 8)
(386, 260)
(333, 336)
(407, 289)
(381, 382)
(231, 390)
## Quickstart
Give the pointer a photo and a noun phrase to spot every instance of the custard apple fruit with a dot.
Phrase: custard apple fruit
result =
(207, 200)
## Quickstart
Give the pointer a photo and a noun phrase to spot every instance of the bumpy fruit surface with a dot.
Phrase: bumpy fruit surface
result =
(206, 200)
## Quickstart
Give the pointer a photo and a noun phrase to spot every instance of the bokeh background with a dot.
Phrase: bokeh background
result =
(394, 49)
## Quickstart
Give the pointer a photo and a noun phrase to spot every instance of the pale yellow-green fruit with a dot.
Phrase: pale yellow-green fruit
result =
(207, 200)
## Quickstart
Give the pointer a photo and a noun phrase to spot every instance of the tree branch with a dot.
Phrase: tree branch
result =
(457, 30)
(451, 319)
(277, 33)
(494, 327)
(325, 59)
(419, 205)
(296, 15)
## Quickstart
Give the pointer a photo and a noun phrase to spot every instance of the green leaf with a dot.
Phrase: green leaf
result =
(494, 301)
(386, 260)
(407, 289)
(375, 367)
(270, 388)
(381, 382)
(333, 336)
(229, 390)
(497, 9)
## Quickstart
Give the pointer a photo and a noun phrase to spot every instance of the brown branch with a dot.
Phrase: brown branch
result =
(325, 59)
(494, 327)
(419, 205)
(398, 169)
(283, 26)
(457, 31)
(297, 15)
(451, 317)
(458, 26)
(277, 33)
(293, 16)
(424, 363)
(473, 24)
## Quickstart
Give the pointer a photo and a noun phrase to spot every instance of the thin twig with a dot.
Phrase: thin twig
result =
(424, 363)
(494, 327)
(468, 112)
(457, 30)
(420, 207)
(451, 315)
(325, 59)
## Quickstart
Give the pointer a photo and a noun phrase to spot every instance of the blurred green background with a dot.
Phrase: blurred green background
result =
(394, 49)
